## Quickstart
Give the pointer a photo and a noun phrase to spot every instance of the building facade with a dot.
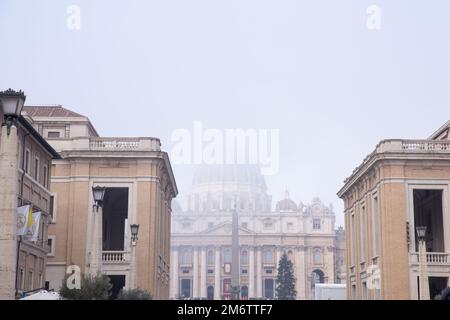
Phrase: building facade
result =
(139, 186)
(26, 257)
(402, 185)
(201, 238)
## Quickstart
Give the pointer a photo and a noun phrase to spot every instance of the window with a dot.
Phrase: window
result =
(51, 246)
(26, 164)
(290, 226)
(244, 271)
(268, 225)
(364, 290)
(186, 225)
(30, 280)
(45, 181)
(210, 258)
(186, 257)
(352, 239)
(268, 288)
(244, 257)
(53, 134)
(269, 271)
(36, 169)
(362, 233)
(376, 227)
(268, 256)
(185, 271)
(227, 255)
(185, 288)
(51, 208)
(316, 224)
(317, 256)
(210, 271)
(22, 279)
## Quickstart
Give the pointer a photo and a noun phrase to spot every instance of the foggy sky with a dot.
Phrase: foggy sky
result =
(311, 69)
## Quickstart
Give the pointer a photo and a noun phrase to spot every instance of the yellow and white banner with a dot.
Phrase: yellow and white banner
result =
(33, 228)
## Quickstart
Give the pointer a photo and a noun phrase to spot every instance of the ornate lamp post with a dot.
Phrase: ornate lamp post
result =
(423, 272)
(134, 238)
(95, 262)
(11, 103)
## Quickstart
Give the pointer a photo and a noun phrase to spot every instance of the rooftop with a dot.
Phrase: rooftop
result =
(50, 111)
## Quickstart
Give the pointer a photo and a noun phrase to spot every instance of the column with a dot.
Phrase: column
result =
(300, 285)
(251, 272)
(95, 260)
(174, 282)
(195, 276)
(217, 270)
(258, 273)
(203, 268)
(8, 211)
(278, 256)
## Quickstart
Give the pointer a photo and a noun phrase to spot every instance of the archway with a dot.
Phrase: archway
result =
(210, 293)
(244, 293)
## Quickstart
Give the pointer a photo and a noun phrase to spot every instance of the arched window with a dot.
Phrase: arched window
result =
(268, 256)
(210, 258)
(244, 257)
(186, 257)
(210, 293)
(290, 255)
(317, 277)
(227, 255)
(244, 293)
(317, 256)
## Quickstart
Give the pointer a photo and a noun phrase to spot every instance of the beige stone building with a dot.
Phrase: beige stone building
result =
(402, 185)
(139, 188)
(29, 185)
(201, 238)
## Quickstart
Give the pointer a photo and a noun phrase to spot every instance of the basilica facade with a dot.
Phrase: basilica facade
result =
(201, 252)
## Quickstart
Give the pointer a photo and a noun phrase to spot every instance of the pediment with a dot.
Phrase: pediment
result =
(225, 228)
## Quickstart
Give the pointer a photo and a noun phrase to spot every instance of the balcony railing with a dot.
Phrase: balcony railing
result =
(426, 146)
(106, 144)
(115, 256)
(406, 146)
(434, 258)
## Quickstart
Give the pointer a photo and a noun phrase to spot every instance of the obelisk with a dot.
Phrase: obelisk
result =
(235, 254)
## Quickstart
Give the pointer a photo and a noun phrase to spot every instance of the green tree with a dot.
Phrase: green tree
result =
(134, 294)
(285, 282)
(91, 288)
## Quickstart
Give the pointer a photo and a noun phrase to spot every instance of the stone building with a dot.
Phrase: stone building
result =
(140, 186)
(400, 186)
(23, 258)
(201, 237)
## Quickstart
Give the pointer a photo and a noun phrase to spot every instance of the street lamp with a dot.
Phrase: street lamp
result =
(99, 194)
(423, 273)
(134, 232)
(134, 236)
(421, 233)
(12, 103)
(95, 262)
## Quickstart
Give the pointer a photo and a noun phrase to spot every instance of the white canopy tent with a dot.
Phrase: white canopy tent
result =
(43, 295)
